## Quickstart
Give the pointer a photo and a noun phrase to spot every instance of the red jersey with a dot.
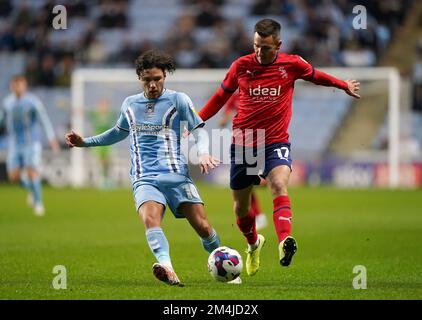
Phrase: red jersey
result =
(232, 104)
(265, 96)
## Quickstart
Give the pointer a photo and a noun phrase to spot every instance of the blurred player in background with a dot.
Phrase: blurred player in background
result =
(159, 172)
(265, 80)
(230, 108)
(102, 118)
(22, 113)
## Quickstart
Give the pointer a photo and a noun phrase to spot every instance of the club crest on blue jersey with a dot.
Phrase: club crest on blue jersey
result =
(150, 107)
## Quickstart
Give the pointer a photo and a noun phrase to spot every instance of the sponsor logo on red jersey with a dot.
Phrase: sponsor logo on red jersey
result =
(264, 91)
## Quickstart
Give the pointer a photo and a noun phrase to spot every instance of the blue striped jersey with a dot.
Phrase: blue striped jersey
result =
(22, 118)
(155, 127)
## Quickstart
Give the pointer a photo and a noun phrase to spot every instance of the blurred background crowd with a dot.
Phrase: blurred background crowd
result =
(212, 34)
(199, 34)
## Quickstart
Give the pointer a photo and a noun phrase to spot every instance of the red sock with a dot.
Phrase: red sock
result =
(282, 217)
(247, 227)
(255, 209)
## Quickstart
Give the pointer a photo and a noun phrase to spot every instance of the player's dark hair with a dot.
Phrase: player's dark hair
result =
(268, 27)
(154, 59)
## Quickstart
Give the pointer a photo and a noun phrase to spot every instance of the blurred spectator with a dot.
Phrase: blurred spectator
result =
(77, 8)
(31, 71)
(260, 7)
(23, 15)
(218, 47)
(239, 39)
(182, 32)
(5, 8)
(113, 15)
(21, 41)
(95, 53)
(127, 54)
(64, 71)
(208, 14)
(46, 75)
(355, 56)
(46, 16)
(185, 55)
(7, 39)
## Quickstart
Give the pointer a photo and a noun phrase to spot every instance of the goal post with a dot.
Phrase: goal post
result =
(200, 84)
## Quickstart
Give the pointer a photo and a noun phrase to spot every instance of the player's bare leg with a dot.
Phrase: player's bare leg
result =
(278, 179)
(195, 214)
(246, 224)
(197, 217)
(151, 213)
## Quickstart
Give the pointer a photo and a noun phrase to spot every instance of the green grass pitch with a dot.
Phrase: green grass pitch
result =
(100, 240)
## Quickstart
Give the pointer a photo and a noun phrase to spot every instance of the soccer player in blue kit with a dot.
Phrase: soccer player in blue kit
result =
(154, 120)
(22, 112)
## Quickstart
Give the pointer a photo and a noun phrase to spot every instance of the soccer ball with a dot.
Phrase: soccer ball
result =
(225, 264)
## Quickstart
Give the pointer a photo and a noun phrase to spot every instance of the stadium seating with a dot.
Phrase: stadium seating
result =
(317, 114)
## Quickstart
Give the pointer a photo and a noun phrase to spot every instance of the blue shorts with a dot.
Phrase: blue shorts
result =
(170, 188)
(24, 157)
(249, 163)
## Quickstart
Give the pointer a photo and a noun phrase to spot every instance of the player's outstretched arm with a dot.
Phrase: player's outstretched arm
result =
(214, 104)
(351, 87)
(106, 138)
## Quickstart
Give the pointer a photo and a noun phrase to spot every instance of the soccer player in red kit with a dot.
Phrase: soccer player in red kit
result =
(230, 108)
(265, 80)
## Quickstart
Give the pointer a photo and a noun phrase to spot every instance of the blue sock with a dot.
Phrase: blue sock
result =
(36, 190)
(212, 242)
(25, 183)
(159, 245)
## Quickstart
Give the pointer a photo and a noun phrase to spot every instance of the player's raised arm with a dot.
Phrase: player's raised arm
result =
(222, 95)
(306, 72)
(214, 104)
(351, 87)
(113, 135)
(106, 138)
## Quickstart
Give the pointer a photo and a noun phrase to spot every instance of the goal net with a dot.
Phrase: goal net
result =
(335, 139)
